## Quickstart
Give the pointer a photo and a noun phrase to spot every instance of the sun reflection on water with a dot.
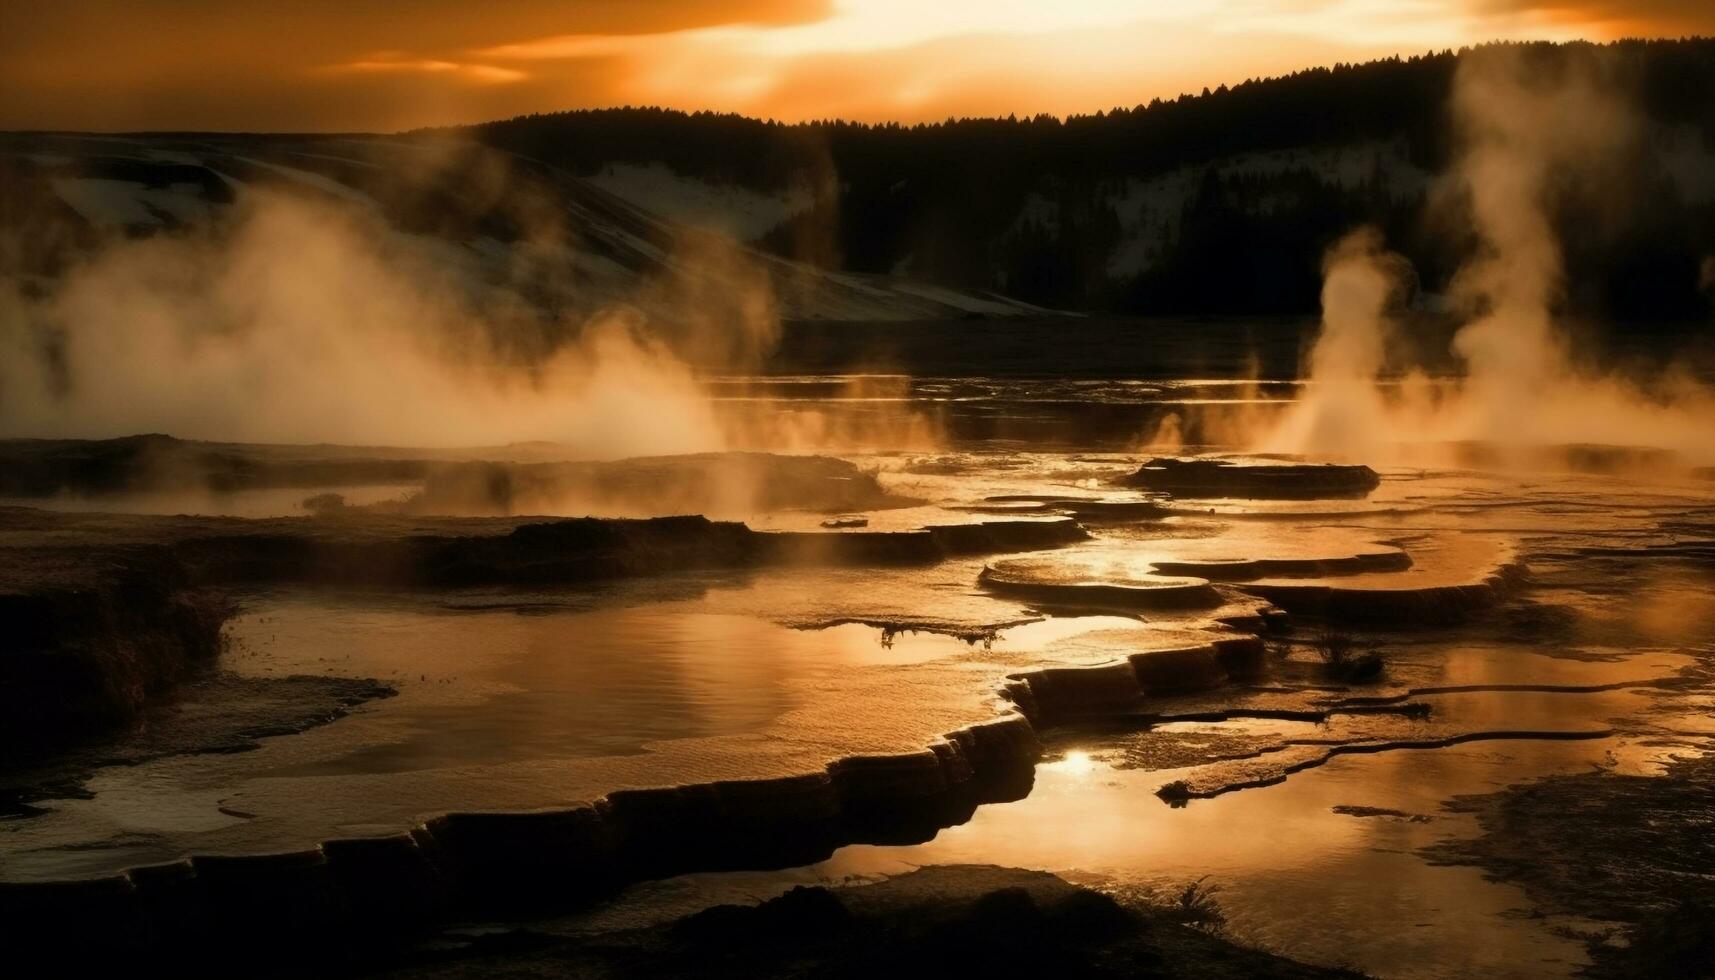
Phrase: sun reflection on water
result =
(1075, 763)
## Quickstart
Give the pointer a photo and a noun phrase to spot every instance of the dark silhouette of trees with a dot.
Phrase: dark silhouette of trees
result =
(1023, 205)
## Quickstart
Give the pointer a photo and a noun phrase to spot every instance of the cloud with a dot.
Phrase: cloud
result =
(393, 62)
(371, 65)
(265, 65)
(297, 28)
(1613, 18)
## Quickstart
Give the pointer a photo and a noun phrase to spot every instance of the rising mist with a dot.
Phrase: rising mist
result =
(1535, 135)
(295, 320)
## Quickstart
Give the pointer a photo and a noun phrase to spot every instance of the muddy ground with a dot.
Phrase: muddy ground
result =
(1636, 851)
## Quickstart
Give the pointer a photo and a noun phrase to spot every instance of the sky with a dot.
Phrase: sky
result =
(384, 65)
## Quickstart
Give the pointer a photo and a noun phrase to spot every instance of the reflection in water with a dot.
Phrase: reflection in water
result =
(497, 685)
(1324, 866)
(488, 686)
(525, 701)
(1295, 876)
(536, 700)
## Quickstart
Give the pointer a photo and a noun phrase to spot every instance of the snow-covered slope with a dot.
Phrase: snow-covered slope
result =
(739, 212)
(617, 237)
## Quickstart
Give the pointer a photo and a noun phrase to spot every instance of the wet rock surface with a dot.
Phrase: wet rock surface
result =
(1301, 716)
(1094, 583)
(375, 891)
(1637, 851)
(211, 712)
(1435, 580)
(904, 737)
(105, 610)
(1253, 479)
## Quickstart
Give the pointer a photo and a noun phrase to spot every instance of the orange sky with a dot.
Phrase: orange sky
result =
(389, 64)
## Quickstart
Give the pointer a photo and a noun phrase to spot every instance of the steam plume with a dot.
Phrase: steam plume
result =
(1533, 134)
(302, 322)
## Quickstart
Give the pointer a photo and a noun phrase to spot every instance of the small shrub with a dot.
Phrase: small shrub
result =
(1343, 660)
(1334, 647)
(1196, 905)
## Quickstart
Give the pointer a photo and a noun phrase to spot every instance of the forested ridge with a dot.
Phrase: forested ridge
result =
(1027, 206)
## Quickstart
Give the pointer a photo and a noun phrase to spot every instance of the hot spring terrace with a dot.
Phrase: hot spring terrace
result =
(560, 707)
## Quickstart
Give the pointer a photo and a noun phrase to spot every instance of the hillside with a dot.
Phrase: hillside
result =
(1215, 203)
(1218, 203)
(514, 228)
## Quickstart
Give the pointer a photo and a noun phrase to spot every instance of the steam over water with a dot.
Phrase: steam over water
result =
(294, 321)
(1282, 675)
(1534, 139)
(289, 320)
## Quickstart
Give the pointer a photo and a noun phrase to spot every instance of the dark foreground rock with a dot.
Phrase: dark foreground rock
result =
(87, 639)
(1256, 481)
(946, 921)
(1638, 851)
(365, 896)
(939, 921)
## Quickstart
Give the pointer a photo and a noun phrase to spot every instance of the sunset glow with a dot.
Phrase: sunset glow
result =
(1074, 489)
(99, 64)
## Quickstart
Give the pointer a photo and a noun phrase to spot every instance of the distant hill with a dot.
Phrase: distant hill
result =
(1215, 203)
(1218, 203)
(509, 228)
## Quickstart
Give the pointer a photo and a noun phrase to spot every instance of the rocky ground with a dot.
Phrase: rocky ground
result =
(1637, 851)
(947, 920)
